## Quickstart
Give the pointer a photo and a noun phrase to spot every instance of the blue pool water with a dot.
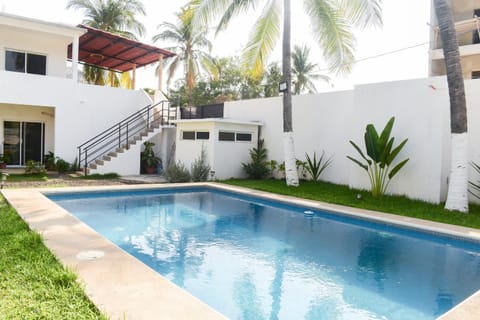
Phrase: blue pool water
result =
(256, 259)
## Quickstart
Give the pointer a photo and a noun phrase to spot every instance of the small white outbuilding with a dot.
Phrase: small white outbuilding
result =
(226, 142)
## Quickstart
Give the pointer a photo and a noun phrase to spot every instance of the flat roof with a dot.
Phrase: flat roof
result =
(113, 52)
(221, 120)
(28, 23)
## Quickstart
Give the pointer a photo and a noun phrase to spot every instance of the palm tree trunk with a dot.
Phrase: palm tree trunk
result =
(457, 198)
(291, 175)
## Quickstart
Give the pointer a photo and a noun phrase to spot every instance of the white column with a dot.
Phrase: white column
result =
(160, 71)
(75, 48)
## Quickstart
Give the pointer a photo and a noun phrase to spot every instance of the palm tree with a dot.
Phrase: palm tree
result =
(190, 45)
(114, 16)
(331, 23)
(457, 198)
(304, 71)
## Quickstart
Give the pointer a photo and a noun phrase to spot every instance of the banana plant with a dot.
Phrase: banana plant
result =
(381, 153)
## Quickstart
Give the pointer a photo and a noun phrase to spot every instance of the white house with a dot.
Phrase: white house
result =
(43, 110)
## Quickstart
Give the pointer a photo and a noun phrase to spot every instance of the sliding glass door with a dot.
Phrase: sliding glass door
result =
(23, 141)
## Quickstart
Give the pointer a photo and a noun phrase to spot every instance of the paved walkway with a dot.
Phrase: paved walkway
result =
(143, 178)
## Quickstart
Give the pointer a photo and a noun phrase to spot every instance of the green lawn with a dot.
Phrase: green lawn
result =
(33, 284)
(339, 194)
(15, 177)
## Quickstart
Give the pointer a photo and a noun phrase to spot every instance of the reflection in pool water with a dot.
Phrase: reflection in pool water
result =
(256, 259)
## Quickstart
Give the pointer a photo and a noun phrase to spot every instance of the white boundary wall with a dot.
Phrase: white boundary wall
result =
(327, 121)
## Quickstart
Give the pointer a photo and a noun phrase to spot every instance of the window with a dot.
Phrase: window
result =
(25, 62)
(195, 135)
(203, 135)
(226, 136)
(244, 137)
(188, 135)
(475, 74)
(475, 36)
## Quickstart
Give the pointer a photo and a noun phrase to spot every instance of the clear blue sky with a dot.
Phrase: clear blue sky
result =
(405, 25)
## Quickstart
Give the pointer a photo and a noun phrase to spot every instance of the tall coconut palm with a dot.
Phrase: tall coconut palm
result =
(331, 26)
(457, 198)
(115, 16)
(304, 71)
(191, 46)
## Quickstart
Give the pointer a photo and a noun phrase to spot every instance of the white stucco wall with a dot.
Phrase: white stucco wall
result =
(81, 111)
(224, 157)
(54, 47)
(327, 121)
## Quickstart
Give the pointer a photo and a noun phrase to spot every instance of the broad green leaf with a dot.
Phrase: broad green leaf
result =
(359, 151)
(371, 138)
(385, 135)
(397, 168)
(396, 151)
(386, 152)
(364, 166)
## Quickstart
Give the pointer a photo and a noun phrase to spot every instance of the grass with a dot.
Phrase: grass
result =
(97, 176)
(343, 195)
(16, 177)
(33, 284)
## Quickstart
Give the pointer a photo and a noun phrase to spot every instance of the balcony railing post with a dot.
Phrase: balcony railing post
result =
(86, 162)
(148, 118)
(119, 135)
(79, 159)
(128, 146)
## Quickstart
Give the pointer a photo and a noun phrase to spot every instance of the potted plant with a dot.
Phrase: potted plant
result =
(4, 159)
(149, 159)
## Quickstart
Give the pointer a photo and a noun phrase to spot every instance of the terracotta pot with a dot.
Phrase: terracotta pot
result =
(151, 170)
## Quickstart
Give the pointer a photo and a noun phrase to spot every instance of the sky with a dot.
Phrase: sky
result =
(405, 25)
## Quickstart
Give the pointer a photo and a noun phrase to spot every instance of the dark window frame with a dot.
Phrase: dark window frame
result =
(33, 63)
(191, 138)
(199, 133)
(223, 134)
(243, 134)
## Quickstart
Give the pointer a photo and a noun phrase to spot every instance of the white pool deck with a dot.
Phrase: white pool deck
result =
(124, 288)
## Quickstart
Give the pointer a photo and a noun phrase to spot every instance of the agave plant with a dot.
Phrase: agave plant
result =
(381, 153)
(315, 167)
(475, 187)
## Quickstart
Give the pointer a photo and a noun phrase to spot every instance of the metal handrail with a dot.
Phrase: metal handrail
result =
(124, 133)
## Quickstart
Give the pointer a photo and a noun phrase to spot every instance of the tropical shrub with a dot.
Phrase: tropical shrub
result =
(315, 167)
(475, 187)
(177, 172)
(381, 153)
(34, 167)
(258, 167)
(49, 161)
(272, 167)
(62, 166)
(200, 167)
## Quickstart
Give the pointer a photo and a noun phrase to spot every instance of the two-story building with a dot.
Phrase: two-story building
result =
(466, 14)
(43, 106)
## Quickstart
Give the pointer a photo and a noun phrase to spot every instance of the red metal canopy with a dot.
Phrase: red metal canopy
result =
(114, 52)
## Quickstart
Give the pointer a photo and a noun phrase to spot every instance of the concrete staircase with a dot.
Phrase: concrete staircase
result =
(117, 149)
(116, 160)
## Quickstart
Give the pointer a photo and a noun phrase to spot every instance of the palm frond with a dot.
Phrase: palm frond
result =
(207, 10)
(235, 8)
(333, 32)
(363, 13)
(263, 39)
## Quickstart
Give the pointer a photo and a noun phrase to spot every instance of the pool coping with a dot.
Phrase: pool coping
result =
(106, 271)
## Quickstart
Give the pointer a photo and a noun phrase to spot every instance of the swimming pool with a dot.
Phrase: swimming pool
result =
(252, 258)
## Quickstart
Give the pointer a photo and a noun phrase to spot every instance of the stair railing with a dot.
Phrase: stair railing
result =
(123, 134)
